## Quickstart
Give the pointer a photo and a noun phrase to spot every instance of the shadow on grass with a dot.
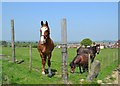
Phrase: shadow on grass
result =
(53, 71)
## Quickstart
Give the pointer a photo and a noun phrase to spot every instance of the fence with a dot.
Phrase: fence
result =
(108, 59)
(64, 49)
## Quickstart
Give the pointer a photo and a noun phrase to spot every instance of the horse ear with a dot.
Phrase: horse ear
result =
(41, 23)
(46, 23)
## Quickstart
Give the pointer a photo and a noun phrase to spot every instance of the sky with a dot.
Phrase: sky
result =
(95, 20)
(60, 0)
(0, 21)
(119, 21)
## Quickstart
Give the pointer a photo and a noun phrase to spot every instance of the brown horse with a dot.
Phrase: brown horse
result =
(45, 46)
(81, 61)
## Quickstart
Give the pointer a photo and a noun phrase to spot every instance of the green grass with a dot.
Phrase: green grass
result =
(20, 74)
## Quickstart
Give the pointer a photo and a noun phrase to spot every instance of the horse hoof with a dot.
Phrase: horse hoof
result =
(43, 73)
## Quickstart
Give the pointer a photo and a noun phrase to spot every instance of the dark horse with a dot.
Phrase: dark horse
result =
(45, 46)
(92, 50)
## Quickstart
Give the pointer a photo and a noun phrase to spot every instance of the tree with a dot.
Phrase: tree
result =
(86, 42)
(4, 43)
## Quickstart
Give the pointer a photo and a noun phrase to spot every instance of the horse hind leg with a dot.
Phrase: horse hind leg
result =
(49, 64)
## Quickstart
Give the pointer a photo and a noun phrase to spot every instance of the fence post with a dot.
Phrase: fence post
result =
(30, 64)
(89, 63)
(64, 50)
(13, 40)
(108, 60)
(114, 57)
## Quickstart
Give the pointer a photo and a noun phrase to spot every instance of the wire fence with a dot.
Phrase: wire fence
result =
(108, 59)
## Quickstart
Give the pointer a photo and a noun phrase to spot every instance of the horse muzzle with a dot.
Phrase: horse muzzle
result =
(97, 52)
(72, 70)
(42, 40)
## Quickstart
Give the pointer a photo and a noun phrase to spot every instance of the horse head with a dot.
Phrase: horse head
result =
(72, 67)
(44, 32)
(98, 48)
(74, 63)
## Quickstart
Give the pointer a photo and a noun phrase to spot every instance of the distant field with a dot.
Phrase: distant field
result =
(20, 74)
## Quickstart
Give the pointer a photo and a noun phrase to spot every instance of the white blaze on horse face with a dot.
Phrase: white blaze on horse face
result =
(43, 29)
(42, 39)
(98, 50)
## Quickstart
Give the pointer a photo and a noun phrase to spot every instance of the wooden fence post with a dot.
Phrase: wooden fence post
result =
(108, 62)
(64, 50)
(89, 63)
(13, 40)
(30, 51)
(114, 57)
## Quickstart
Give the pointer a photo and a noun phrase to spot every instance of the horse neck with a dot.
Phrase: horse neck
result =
(74, 59)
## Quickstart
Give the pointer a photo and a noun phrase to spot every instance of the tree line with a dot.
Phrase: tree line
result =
(85, 42)
(19, 44)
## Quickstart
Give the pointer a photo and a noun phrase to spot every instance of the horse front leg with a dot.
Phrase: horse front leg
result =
(43, 63)
(80, 68)
(49, 64)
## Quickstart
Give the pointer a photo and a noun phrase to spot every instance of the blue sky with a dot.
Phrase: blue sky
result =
(94, 20)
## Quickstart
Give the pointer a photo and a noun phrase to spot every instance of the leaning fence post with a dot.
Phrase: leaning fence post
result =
(64, 50)
(13, 40)
(30, 51)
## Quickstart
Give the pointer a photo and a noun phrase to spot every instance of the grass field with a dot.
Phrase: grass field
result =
(20, 74)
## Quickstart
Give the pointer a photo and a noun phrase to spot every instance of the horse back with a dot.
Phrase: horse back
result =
(82, 50)
(81, 59)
